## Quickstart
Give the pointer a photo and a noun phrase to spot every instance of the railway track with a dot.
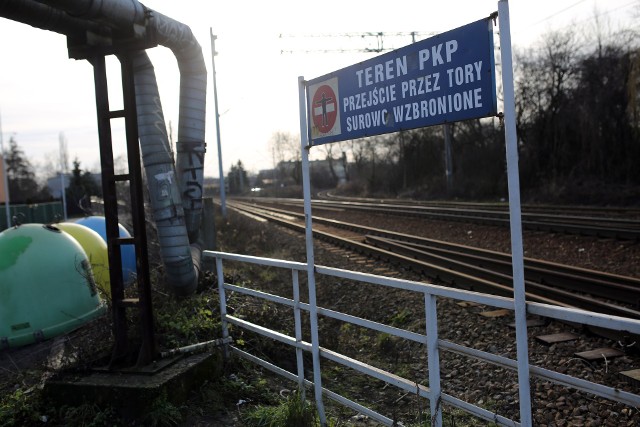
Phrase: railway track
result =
(472, 268)
(605, 223)
(613, 212)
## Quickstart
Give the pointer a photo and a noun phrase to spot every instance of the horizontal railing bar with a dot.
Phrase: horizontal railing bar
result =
(260, 294)
(380, 327)
(286, 339)
(330, 394)
(552, 376)
(378, 373)
(555, 312)
(504, 362)
(270, 366)
(256, 260)
(358, 407)
(577, 315)
(540, 309)
(441, 291)
(479, 412)
(586, 386)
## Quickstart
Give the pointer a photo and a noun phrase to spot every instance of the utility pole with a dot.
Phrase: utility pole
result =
(63, 169)
(215, 101)
(448, 157)
(5, 176)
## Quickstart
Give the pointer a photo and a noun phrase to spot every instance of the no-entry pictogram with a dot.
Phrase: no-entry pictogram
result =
(324, 108)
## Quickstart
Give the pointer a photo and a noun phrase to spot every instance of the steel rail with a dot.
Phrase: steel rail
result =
(582, 210)
(611, 286)
(462, 274)
(597, 226)
(615, 287)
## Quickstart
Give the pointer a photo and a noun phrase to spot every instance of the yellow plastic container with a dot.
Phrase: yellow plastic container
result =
(96, 249)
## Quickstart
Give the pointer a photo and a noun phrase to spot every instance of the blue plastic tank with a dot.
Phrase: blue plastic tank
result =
(127, 252)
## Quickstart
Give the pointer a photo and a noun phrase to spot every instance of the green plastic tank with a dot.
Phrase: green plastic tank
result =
(46, 285)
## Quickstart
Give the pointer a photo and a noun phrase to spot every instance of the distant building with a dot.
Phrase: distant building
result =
(54, 185)
(323, 167)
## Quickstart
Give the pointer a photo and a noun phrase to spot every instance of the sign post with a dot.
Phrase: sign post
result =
(313, 313)
(446, 78)
(513, 179)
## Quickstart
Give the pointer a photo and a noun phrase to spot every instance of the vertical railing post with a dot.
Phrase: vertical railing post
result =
(433, 359)
(313, 312)
(298, 330)
(515, 215)
(223, 306)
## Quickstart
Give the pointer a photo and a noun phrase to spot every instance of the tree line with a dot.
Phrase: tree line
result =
(25, 188)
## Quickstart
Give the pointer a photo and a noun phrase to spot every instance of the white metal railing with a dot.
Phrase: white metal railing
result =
(430, 338)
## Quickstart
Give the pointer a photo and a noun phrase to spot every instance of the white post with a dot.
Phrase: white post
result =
(433, 359)
(223, 305)
(517, 253)
(223, 203)
(5, 179)
(298, 331)
(313, 312)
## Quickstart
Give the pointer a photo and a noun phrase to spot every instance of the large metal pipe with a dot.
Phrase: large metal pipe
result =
(190, 146)
(123, 15)
(46, 18)
(176, 200)
(164, 193)
(127, 14)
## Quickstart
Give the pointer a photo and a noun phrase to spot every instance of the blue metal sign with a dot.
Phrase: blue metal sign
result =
(446, 78)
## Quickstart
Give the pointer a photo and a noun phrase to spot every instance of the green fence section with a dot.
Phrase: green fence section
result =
(37, 212)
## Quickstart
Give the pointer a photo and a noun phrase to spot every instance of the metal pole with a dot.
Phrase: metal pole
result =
(223, 305)
(298, 331)
(448, 159)
(313, 311)
(433, 359)
(63, 169)
(5, 177)
(517, 251)
(223, 203)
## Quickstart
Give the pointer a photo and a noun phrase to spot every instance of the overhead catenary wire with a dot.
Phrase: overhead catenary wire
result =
(558, 12)
(595, 15)
(379, 37)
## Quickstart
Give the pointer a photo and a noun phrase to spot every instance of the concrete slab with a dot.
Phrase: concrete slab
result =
(496, 313)
(531, 323)
(133, 393)
(600, 353)
(632, 376)
(556, 338)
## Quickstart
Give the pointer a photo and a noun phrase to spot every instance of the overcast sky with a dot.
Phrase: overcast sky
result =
(43, 93)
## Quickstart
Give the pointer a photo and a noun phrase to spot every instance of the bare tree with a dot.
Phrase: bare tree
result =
(287, 158)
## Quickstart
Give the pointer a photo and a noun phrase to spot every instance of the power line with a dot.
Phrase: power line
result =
(558, 13)
(607, 12)
(378, 40)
